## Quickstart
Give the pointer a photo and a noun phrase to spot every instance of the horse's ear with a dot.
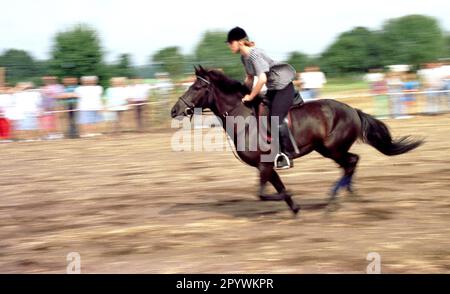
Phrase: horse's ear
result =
(196, 70)
(202, 69)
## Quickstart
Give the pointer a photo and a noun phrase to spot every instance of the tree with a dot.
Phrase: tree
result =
(299, 60)
(19, 65)
(124, 67)
(42, 67)
(212, 52)
(412, 39)
(77, 52)
(356, 50)
(170, 60)
(447, 44)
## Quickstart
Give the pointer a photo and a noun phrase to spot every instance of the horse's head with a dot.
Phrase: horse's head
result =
(197, 96)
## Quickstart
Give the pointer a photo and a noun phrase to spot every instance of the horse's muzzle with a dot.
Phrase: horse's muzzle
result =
(174, 112)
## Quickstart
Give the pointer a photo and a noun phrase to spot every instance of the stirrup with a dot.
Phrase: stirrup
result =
(285, 158)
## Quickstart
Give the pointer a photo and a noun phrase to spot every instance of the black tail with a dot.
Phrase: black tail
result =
(376, 133)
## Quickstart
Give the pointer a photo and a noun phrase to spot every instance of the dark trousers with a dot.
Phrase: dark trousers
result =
(281, 101)
(72, 131)
(139, 114)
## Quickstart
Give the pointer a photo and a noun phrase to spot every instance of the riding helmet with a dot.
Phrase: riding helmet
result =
(236, 34)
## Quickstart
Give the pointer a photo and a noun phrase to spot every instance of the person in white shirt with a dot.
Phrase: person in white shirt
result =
(445, 75)
(312, 81)
(117, 101)
(394, 88)
(163, 91)
(432, 80)
(27, 106)
(139, 92)
(89, 105)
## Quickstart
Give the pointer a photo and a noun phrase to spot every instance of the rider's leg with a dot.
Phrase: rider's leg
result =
(281, 103)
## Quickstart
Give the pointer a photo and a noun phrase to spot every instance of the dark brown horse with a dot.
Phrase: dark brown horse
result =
(326, 126)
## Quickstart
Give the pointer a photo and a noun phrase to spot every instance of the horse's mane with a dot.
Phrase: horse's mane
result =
(226, 84)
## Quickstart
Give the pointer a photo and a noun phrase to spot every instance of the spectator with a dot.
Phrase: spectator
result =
(163, 90)
(5, 105)
(410, 87)
(139, 92)
(394, 88)
(432, 81)
(5, 127)
(50, 92)
(445, 74)
(312, 82)
(116, 101)
(89, 105)
(373, 76)
(379, 89)
(10, 110)
(70, 99)
(27, 107)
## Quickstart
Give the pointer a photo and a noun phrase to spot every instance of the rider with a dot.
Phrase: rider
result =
(278, 77)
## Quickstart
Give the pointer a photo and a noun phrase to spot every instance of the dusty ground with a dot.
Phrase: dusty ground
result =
(129, 204)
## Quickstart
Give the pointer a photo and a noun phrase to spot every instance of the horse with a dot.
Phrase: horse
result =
(326, 126)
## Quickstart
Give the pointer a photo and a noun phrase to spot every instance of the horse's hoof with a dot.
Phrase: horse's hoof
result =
(332, 196)
(263, 198)
(295, 210)
(350, 189)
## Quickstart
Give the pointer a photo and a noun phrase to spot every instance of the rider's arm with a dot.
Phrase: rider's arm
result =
(249, 81)
(262, 80)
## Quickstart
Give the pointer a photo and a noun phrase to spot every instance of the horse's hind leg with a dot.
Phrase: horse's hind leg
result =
(349, 169)
(348, 162)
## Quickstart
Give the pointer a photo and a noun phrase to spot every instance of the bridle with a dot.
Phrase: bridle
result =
(190, 107)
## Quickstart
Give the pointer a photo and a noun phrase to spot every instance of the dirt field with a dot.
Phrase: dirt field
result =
(129, 204)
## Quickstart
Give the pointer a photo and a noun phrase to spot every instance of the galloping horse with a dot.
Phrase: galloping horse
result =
(326, 126)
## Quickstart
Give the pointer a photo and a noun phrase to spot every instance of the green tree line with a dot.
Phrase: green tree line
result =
(412, 39)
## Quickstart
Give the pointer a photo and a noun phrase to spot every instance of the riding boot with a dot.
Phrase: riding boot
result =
(285, 158)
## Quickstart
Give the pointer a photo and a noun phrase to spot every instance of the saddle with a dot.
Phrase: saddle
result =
(262, 109)
(298, 100)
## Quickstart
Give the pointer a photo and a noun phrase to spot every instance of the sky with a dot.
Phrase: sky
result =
(141, 27)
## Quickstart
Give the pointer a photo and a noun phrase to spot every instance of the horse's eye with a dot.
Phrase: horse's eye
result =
(197, 87)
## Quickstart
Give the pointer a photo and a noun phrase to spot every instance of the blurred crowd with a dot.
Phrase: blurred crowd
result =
(396, 91)
(75, 107)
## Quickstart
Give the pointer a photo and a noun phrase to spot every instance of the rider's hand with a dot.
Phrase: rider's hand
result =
(247, 98)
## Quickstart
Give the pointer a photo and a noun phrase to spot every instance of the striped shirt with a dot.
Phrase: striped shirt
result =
(279, 74)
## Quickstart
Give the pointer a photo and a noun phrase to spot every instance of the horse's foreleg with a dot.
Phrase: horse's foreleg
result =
(266, 174)
(275, 180)
(292, 205)
(272, 176)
